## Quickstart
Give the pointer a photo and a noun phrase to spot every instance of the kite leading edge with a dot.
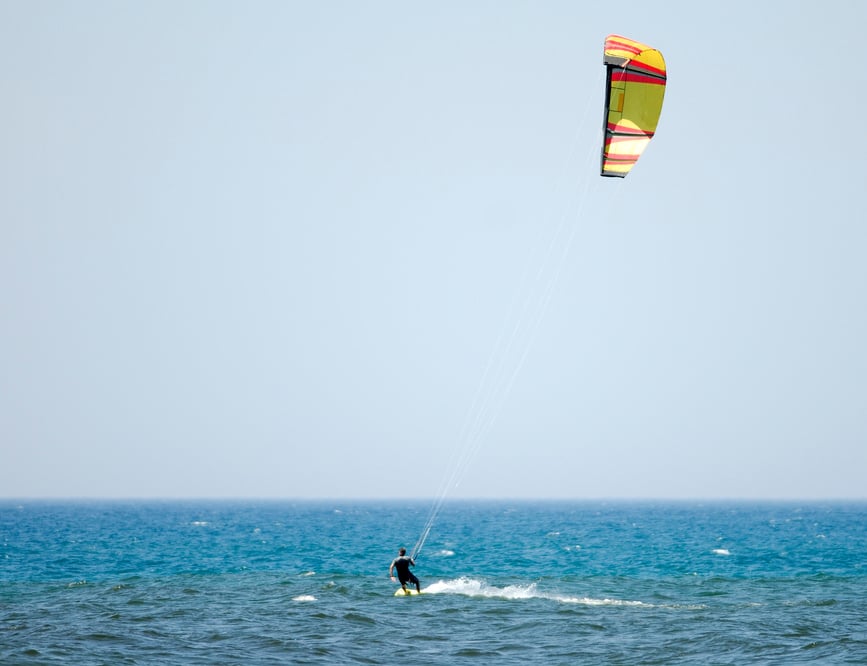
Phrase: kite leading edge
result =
(634, 88)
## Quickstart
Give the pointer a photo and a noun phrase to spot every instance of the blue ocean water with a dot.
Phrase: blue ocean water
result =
(504, 582)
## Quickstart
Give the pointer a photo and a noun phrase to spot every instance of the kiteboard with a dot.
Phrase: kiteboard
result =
(409, 592)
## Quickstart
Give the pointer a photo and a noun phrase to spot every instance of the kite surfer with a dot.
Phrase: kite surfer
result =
(402, 563)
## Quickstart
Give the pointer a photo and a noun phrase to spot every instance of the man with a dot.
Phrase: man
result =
(402, 563)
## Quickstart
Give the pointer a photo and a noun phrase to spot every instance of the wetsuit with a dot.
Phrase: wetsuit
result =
(402, 565)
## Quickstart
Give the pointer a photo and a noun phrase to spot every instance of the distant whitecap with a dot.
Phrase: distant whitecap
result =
(304, 597)
(721, 551)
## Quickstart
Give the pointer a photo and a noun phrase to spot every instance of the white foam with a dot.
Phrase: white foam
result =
(587, 601)
(199, 523)
(304, 597)
(445, 553)
(477, 588)
(721, 551)
(309, 573)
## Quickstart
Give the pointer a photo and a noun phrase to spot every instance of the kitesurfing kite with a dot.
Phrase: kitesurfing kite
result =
(634, 88)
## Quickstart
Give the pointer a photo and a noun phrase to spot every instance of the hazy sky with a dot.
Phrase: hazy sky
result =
(268, 249)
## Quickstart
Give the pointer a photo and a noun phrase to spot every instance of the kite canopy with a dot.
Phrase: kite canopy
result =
(634, 88)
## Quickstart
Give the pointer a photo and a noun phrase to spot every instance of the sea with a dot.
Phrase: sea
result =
(503, 582)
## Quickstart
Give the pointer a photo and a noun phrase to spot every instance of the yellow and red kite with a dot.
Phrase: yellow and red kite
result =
(634, 88)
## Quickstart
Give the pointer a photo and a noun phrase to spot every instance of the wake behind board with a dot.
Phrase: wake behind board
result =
(409, 592)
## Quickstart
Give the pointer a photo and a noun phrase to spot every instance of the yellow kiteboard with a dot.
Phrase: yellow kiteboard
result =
(409, 592)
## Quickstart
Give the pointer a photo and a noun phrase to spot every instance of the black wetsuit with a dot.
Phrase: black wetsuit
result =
(402, 564)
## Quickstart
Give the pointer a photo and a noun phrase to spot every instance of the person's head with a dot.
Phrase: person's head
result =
(401, 551)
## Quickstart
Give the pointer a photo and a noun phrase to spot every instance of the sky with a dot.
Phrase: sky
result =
(362, 250)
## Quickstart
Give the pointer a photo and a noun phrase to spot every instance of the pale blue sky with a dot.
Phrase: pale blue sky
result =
(267, 249)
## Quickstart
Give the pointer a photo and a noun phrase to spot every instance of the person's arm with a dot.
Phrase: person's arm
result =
(391, 570)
